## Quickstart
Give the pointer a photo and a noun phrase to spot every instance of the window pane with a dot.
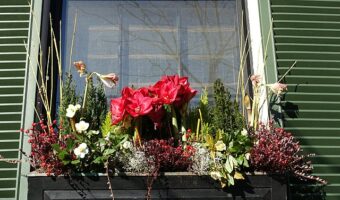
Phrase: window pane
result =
(143, 40)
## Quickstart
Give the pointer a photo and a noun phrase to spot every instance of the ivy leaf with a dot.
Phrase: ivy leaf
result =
(75, 162)
(65, 162)
(227, 166)
(245, 162)
(108, 152)
(63, 154)
(56, 147)
(98, 160)
(230, 179)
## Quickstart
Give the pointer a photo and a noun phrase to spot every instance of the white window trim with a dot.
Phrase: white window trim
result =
(32, 47)
(256, 52)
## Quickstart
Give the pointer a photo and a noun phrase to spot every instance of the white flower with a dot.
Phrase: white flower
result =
(109, 80)
(82, 126)
(244, 132)
(81, 150)
(278, 88)
(247, 155)
(220, 146)
(71, 110)
(215, 175)
(127, 145)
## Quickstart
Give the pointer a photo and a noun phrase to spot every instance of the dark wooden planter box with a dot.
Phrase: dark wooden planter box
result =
(168, 186)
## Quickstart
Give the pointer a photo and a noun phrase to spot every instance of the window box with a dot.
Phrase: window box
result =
(180, 185)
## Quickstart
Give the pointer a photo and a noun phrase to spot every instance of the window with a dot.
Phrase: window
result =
(143, 40)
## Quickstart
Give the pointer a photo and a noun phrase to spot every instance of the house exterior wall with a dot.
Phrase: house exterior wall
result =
(14, 31)
(307, 32)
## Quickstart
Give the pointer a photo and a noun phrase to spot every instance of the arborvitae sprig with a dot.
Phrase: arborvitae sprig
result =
(68, 97)
(101, 103)
(96, 105)
(225, 114)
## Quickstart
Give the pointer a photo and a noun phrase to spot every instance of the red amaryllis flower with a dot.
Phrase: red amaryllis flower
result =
(156, 115)
(127, 92)
(138, 104)
(166, 91)
(117, 110)
(185, 92)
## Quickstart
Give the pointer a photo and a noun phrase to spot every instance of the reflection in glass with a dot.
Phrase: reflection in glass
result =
(143, 40)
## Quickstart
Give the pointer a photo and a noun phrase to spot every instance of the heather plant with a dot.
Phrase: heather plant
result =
(277, 151)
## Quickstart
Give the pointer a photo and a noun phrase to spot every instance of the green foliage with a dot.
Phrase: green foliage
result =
(230, 154)
(225, 114)
(106, 126)
(68, 97)
(95, 106)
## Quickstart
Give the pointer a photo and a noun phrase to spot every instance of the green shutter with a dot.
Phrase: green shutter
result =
(308, 31)
(14, 25)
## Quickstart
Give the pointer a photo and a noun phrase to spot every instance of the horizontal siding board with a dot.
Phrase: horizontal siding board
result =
(8, 174)
(10, 135)
(308, 88)
(12, 99)
(8, 145)
(325, 159)
(11, 116)
(326, 169)
(7, 183)
(309, 71)
(306, 40)
(13, 48)
(315, 122)
(313, 63)
(307, 55)
(12, 74)
(323, 114)
(14, 2)
(308, 32)
(306, 17)
(331, 97)
(11, 90)
(10, 154)
(7, 194)
(10, 109)
(314, 131)
(308, 47)
(13, 24)
(13, 81)
(295, 3)
(10, 126)
(13, 39)
(11, 66)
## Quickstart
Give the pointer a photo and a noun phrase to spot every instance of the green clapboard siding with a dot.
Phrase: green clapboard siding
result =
(14, 27)
(308, 31)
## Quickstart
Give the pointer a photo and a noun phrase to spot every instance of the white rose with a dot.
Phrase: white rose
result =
(220, 146)
(81, 150)
(71, 110)
(127, 145)
(82, 126)
(244, 132)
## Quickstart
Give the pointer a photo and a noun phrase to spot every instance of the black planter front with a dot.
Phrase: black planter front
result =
(168, 186)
